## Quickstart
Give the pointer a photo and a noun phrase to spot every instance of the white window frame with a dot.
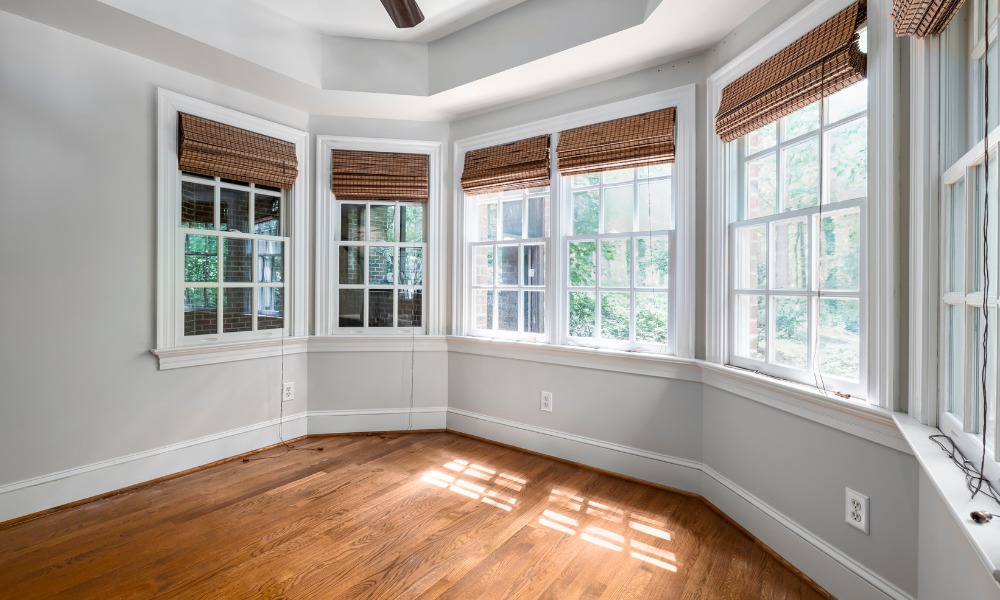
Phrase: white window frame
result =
(880, 238)
(327, 212)
(172, 347)
(683, 257)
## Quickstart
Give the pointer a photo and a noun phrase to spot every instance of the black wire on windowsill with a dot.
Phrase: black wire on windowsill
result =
(974, 479)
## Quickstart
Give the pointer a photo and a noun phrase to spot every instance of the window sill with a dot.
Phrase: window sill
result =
(949, 482)
(192, 356)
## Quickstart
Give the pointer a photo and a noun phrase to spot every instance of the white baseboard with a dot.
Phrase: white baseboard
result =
(376, 419)
(836, 572)
(55, 489)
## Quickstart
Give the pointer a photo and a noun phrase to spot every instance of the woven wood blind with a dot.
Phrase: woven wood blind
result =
(362, 175)
(514, 166)
(636, 141)
(211, 148)
(825, 60)
(922, 18)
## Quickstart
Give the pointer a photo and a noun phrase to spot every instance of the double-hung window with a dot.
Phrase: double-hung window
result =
(797, 133)
(969, 299)
(231, 201)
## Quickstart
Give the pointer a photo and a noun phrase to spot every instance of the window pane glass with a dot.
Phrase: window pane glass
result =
(508, 265)
(483, 257)
(651, 313)
(790, 270)
(847, 147)
(512, 220)
(586, 179)
(839, 345)
(791, 332)
(237, 312)
(270, 308)
(234, 208)
(751, 258)
(352, 222)
(507, 309)
(411, 308)
(656, 206)
(586, 212)
(763, 138)
(383, 223)
(616, 311)
(976, 236)
(800, 173)
(848, 101)
(237, 259)
(751, 327)
(266, 215)
(618, 208)
(380, 308)
(534, 312)
(653, 269)
(538, 216)
(487, 221)
(534, 264)
(616, 261)
(411, 266)
(270, 261)
(801, 121)
(380, 266)
(660, 170)
(352, 308)
(761, 187)
(412, 219)
(582, 316)
(200, 311)
(352, 265)
(956, 238)
(483, 307)
(582, 265)
(201, 258)
(840, 250)
(955, 360)
(619, 175)
(197, 206)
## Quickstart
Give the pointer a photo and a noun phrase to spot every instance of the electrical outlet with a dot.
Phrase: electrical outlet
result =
(545, 401)
(857, 510)
(288, 391)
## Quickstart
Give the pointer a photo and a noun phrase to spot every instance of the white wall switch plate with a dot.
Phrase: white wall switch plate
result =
(288, 391)
(545, 401)
(857, 509)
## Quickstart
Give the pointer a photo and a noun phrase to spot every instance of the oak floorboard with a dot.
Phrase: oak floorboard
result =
(423, 516)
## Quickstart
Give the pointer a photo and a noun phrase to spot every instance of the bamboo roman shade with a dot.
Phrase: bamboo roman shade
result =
(636, 141)
(922, 18)
(211, 148)
(514, 166)
(363, 175)
(825, 60)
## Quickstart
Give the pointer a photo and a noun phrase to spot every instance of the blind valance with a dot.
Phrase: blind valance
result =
(211, 148)
(514, 166)
(922, 18)
(634, 141)
(363, 175)
(824, 61)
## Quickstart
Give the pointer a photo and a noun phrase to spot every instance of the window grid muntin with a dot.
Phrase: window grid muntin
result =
(739, 209)
(523, 196)
(367, 244)
(254, 285)
(632, 239)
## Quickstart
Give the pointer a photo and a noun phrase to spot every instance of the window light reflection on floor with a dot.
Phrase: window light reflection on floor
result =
(498, 489)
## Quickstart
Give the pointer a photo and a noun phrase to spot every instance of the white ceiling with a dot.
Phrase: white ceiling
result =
(368, 19)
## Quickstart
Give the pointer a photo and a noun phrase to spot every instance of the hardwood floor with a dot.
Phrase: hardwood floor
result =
(425, 516)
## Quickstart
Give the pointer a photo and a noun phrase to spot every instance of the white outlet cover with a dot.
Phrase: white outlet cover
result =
(545, 401)
(856, 510)
(288, 391)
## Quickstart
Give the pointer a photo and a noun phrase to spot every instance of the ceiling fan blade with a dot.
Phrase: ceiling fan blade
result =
(404, 13)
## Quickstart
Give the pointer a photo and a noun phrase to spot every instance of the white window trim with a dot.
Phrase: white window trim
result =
(174, 350)
(881, 237)
(326, 246)
(683, 98)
